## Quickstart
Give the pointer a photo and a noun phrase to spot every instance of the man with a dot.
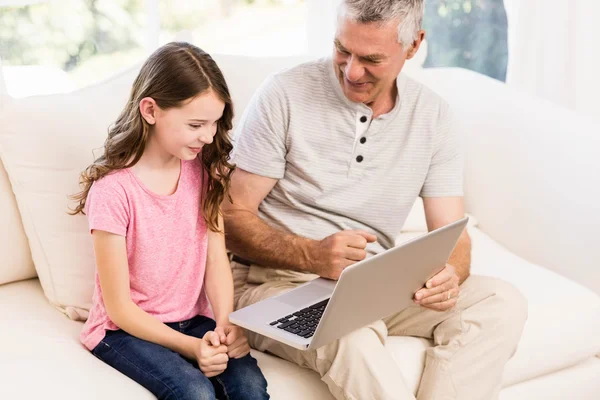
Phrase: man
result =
(331, 156)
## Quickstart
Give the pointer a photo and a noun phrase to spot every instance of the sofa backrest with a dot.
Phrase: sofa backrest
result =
(532, 172)
(46, 141)
(15, 256)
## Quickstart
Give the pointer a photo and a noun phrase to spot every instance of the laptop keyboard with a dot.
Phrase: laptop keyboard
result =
(304, 322)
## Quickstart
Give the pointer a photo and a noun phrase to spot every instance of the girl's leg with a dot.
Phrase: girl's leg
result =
(163, 372)
(242, 379)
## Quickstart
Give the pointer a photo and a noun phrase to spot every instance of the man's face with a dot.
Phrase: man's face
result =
(368, 58)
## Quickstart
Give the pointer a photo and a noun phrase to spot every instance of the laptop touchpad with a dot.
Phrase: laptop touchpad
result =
(305, 295)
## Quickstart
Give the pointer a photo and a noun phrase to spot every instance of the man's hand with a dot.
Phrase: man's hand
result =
(211, 354)
(441, 291)
(338, 251)
(234, 338)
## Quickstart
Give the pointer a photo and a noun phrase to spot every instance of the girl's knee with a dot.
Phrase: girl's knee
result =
(245, 379)
(196, 389)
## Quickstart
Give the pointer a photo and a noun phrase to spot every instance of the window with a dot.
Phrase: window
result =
(58, 46)
(470, 34)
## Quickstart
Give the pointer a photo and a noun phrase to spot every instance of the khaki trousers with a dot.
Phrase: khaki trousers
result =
(472, 342)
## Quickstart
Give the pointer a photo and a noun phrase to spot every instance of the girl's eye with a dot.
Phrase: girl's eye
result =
(196, 126)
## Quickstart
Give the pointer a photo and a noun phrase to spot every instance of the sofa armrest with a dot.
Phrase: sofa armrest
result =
(532, 176)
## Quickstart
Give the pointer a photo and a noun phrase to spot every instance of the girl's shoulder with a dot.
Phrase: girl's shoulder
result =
(113, 187)
(109, 192)
(115, 180)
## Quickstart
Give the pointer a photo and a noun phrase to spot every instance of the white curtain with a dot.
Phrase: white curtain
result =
(554, 51)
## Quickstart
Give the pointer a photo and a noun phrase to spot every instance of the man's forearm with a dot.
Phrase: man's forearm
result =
(251, 238)
(461, 257)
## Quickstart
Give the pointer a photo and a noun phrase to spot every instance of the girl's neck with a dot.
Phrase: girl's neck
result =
(155, 157)
(158, 170)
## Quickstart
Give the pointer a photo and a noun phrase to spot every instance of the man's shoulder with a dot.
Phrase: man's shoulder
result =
(307, 68)
(421, 95)
(301, 76)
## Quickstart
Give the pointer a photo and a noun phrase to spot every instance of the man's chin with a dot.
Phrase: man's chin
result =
(356, 97)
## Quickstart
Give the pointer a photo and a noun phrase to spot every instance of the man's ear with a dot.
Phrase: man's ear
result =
(416, 44)
(148, 109)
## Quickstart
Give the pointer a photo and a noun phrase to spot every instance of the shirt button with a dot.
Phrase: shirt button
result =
(363, 140)
(363, 119)
(359, 158)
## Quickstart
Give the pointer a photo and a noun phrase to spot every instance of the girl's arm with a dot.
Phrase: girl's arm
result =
(113, 271)
(219, 288)
(218, 279)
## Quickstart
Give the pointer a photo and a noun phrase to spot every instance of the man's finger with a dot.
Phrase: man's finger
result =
(424, 293)
(356, 241)
(445, 306)
(440, 297)
(447, 273)
(369, 236)
(355, 254)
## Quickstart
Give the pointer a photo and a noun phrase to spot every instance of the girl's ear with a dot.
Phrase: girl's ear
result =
(148, 109)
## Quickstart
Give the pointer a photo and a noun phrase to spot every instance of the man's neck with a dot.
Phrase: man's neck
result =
(384, 103)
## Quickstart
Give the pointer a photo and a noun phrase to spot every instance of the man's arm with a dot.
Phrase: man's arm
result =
(252, 238)
(441, 291)
(441, 211)
(249, 236)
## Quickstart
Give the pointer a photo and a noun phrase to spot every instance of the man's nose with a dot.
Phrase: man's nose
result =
(354, 70)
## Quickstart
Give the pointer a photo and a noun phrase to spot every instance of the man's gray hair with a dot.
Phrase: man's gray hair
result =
(408, 12)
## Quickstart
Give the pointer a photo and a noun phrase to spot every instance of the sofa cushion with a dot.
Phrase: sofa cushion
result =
(45, 142)
(563, 327)
(562, 330)
(529, 164)
(16, 256)
(15, 262)
(41, 356)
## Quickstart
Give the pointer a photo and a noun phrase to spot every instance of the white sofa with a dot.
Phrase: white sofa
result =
(531, 184)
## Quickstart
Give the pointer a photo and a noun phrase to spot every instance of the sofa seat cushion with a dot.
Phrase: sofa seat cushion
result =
(563, 327)
(41, 345)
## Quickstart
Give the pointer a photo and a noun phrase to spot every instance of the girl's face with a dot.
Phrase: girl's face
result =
(183, 131)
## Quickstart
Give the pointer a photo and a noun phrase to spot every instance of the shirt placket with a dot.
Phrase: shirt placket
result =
(362, 123)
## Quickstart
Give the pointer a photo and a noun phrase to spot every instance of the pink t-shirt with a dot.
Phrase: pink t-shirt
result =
(166, 239)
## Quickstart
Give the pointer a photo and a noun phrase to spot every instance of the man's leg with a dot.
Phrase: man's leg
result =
(472, 342)
(357, 366)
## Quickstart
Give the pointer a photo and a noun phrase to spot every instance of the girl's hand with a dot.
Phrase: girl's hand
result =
(211, 355)
(235, 339)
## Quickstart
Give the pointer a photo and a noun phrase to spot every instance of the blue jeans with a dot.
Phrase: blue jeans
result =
(168, 375)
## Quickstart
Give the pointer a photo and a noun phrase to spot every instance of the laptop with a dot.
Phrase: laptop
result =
(321, 311)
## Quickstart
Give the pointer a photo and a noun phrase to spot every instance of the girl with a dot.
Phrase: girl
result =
(152, 202)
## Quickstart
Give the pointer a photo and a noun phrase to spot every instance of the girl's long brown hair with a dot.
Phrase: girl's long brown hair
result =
(173, 74)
